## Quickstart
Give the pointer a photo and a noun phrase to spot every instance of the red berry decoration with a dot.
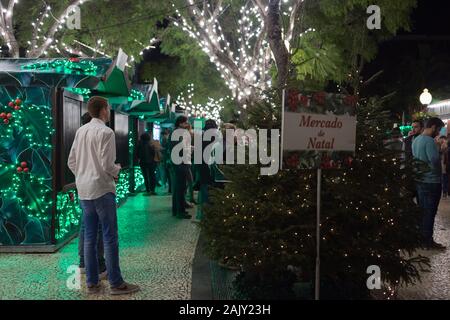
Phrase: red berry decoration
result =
(9, 115)
(23, 164)
(5, 121)
(26, 170)
(19, 169)
(11, 104)
(16, 108)
(18, 102)
(3, 115)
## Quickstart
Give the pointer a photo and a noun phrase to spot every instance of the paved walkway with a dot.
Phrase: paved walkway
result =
(156, 251)
(435, 284)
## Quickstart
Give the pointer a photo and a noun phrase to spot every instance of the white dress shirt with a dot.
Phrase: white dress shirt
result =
(92, 160)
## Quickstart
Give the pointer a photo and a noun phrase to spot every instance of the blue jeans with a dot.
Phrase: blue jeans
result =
(102, 210)
(100, 250)
(428, 196)
(179, 186)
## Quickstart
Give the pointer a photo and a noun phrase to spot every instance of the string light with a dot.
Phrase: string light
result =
(243, 61)
(210, 110)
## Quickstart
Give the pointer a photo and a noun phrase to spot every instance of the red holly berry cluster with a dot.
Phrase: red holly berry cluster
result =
(16, 104)
(351, 100)
(293, 100)
(6, 117)
(293, 161)
(320, 98)
(23, 168)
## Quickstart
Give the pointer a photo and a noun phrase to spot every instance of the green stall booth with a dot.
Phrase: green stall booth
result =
(41, 104)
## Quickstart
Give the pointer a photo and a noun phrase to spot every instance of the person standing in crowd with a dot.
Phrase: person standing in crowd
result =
(417, 129)
(92, 161)
(444, 163)
(156, 145)
(85, 119)
(204, 172)
(190, 174)
(165, 148)
(180, 174)
(429, 186)
(146, 156)
(395, 143)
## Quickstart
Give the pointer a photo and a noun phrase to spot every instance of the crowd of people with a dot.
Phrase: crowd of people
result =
(92, 160)
(426, 144)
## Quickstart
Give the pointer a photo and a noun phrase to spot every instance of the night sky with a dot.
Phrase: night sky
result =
(415, 60)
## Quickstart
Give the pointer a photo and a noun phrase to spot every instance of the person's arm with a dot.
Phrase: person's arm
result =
(433, 155)
(108, 155)
(72, 160)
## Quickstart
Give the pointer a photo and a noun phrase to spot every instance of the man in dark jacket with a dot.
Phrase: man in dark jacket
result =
(205, 176)
(146, 156)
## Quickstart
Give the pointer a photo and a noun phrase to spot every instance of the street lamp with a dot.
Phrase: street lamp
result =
(426, 97)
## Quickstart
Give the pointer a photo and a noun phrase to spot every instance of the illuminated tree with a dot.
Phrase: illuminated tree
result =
(210, 110)
(46, 26)
(242, 39)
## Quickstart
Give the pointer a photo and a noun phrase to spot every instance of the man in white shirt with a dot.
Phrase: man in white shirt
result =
(92, 161)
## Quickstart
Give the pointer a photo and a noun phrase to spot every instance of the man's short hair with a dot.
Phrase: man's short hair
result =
(95, 105)
(438, 123)
(420, 122)
(180, 120)
(85, 118)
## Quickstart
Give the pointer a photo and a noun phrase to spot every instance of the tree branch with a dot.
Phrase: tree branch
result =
(261, 6)
(293, 17)
(54, 28)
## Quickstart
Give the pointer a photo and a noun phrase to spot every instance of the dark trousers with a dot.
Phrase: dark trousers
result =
(179, 186)
(445, 183)
(428, 196)
(100, 248)
(167, 175)
(148, 171)
(101, 211)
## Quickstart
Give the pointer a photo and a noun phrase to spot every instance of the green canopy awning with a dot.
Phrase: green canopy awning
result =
(148, 107)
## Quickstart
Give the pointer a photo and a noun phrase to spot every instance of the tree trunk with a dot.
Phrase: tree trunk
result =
(275, 39)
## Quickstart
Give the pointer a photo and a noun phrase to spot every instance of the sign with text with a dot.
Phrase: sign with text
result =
(319, 130)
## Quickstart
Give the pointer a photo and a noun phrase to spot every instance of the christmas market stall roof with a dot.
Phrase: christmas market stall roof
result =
(100, 76)
(150, 105)
(55, 73)
(165, 114)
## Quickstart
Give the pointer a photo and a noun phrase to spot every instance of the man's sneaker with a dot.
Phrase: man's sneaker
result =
(125, 288)
(103, 275)
(94, 288)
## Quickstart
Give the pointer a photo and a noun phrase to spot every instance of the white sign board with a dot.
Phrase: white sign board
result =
(306, 131)
(319, 130)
